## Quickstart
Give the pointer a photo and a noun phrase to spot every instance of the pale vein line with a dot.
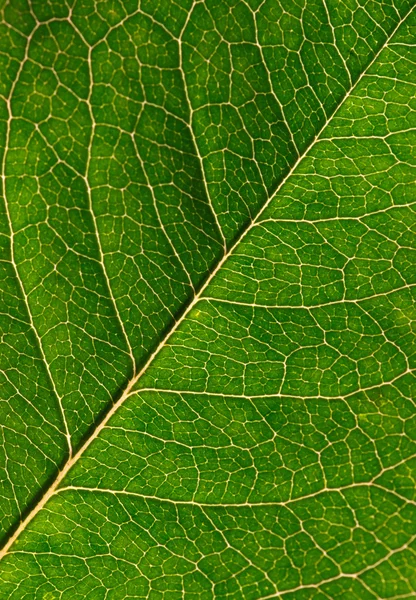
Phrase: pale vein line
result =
(191, 129)
(361, 218)
(246, 504)
(156, 207)
(55, 485)
(266, 67)
(334, 39)
(310, 87)
(311, 307)
(274, 395)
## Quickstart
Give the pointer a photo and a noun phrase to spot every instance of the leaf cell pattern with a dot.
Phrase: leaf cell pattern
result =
(208, 302)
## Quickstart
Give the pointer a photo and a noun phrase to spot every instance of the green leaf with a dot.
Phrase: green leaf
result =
(207, 299)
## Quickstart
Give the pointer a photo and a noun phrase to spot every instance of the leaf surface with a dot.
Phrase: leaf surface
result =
(207, 356)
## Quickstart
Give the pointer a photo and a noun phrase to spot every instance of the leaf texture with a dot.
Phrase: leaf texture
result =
(208, 302)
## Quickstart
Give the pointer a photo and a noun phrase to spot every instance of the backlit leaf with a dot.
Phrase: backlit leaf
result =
(207, 283)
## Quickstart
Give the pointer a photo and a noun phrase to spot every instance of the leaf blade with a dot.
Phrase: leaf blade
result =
(252, 572)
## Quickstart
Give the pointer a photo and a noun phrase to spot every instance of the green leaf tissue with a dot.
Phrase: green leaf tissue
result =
(207, 299)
